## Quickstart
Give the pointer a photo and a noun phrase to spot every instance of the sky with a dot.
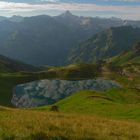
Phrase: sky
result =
(125, 9)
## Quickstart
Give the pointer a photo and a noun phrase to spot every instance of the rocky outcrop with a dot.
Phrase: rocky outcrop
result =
(45, 92)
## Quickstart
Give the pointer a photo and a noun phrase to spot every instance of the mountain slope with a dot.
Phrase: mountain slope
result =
(9, 65)
(130, 56)
(45, 40)
(106, 44)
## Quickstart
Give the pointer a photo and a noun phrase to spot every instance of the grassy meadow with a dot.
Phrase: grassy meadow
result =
(111, 104)
(23, 124)
(86, 115)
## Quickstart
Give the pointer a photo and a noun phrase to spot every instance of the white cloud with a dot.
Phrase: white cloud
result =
(124, 11)
(121, 0)
(50, 0)
(124, 0)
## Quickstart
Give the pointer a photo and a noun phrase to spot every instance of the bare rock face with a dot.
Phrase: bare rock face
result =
(46, 92)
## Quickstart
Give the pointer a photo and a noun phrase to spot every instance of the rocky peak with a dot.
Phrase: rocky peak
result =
(67, 14)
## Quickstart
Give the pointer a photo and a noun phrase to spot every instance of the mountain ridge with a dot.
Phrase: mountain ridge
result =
(106, 44)
(51, 38)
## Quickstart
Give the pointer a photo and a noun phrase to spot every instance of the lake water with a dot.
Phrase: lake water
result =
(46, 92)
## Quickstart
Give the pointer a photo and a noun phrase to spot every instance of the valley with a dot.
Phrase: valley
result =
(81, 80)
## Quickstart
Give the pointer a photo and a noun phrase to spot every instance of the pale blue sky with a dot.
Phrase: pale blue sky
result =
(125, 9)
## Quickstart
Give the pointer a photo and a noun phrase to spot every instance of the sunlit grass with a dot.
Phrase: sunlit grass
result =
(44, 125)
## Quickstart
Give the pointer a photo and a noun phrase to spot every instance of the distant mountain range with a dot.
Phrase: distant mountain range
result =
(45, 40)
(13, 18)
(106, 44)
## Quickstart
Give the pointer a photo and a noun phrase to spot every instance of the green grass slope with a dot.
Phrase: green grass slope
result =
(116, 103)
(121, 103)
(72, 72)
(10, 65)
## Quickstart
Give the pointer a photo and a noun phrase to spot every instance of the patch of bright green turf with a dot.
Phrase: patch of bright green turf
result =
(114, 103)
